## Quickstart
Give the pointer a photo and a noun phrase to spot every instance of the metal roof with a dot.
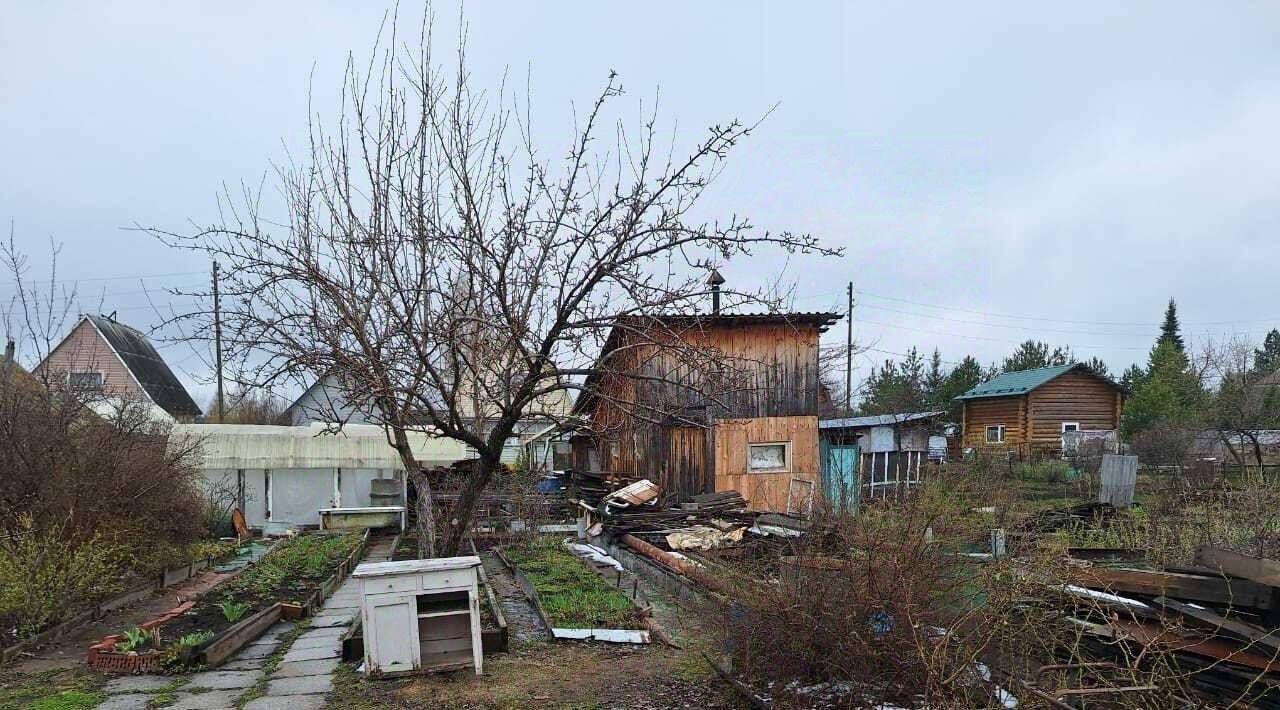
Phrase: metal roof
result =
(1012, 384)
(151, 371)
(233, 446)
(877, 420)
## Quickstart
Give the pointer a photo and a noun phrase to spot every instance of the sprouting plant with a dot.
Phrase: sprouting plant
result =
(195, 639)
(232, 611)
(135, 639)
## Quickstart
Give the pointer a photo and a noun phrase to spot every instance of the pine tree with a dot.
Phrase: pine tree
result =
(962, 378)
(1133, 378)
(1032, 354)
(1170, 330)
(1267, 360)
(1169, 393)
(934, 379)
(1098, 367)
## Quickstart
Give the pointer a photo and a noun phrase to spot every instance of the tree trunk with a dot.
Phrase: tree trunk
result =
(460, 520)
(426, 515)
(422, 484)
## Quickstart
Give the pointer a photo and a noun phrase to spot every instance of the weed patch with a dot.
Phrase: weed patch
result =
(572, 595)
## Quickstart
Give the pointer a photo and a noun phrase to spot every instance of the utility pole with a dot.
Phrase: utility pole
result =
(848, 356)
(217, 340)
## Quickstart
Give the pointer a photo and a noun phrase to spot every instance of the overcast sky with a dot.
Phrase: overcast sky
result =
(995, 171)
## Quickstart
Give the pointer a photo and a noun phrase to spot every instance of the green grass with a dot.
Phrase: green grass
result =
(58, 689)
(573, 596)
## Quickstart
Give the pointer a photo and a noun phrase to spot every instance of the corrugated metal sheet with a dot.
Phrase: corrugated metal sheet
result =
(253, 446)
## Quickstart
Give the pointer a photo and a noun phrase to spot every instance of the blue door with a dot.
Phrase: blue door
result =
(840, 474)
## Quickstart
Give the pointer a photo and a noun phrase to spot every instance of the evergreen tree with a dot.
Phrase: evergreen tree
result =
(1132, 378)
(892, 388)
(962, 378)
(934, 379)
(1170, 330)
(1169, 393)
(1267, 360)
(1032, 354)
(1098, 367)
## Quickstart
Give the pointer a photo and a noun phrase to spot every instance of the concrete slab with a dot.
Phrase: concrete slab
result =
(223, 680)
(300, 685)
(331, 620)
(310, 654)
(255, 652)
(297, 668)
(131, 701)
(316, 642)
(212, 700)
(326, 631)
(286, 702)
(138, 683)
(244, 664)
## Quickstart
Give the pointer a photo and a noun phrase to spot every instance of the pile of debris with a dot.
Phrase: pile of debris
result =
(1216, 620)
(619, 506)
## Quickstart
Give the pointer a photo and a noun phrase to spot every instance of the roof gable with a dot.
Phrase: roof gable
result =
(1020, 382)
(147, 367)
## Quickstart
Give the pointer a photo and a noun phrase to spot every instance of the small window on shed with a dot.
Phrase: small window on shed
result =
(1070, 426)
(769, 457)
(85, 381)
(995, 434)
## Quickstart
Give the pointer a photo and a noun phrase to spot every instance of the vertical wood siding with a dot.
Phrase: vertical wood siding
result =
(766, 491)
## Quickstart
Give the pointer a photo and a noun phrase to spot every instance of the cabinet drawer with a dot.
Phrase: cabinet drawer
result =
(382, 585)
(449, 579)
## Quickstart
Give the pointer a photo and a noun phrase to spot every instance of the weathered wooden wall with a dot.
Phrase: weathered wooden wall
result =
(766, 491)
(982, 413)
(655, 405)
(1073, 397)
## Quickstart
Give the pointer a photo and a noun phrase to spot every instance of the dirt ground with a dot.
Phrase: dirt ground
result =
(69, 651)
(538, 672)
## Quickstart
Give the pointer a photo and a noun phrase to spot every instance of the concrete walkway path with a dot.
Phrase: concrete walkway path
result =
(303, 664)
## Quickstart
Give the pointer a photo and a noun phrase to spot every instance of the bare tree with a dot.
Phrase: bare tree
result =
(1247, 399)
(452, 276)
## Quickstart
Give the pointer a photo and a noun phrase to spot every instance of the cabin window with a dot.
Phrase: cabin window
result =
(1070, 426)
(995, 434)
(769, 457)
(85, 381)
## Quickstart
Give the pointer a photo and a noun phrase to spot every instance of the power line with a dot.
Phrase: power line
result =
(103, 278)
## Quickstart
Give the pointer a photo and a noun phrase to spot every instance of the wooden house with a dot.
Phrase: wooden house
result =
(110, 362)
(705, 403)
(1029, 411)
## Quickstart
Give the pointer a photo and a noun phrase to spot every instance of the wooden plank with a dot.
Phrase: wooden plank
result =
(1119, 478)
(1258, 569)
(1249, 632)
(240, 635)
(1215, 590)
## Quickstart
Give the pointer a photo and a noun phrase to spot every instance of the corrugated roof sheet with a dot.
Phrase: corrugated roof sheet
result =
(876, 420)
(258, 446)
(147, 366)
(1011, 384)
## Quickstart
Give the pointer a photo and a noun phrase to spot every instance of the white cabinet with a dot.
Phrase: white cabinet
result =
(420, 615)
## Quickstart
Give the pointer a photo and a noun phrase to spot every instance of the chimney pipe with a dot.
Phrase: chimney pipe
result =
(715, 279)
(9, 347)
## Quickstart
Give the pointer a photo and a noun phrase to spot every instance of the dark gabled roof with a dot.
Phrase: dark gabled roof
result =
(694, 321)
(877, 420)
(1020, 382)
(148, 368)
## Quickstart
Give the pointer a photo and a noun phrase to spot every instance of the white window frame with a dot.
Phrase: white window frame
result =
(1067, 424)
(786, 457)
(102, 379)
(999, 429)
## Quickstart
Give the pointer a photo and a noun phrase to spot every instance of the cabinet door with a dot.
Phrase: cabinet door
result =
(391, 638)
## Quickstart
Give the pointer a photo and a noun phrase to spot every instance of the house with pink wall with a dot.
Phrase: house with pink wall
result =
(102, 355)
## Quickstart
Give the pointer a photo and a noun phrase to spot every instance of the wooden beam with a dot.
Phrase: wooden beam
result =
(1249, 632)
(1215, 590)
(1258, 569)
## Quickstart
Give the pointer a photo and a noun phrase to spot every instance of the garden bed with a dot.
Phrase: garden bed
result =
(300, 570)
(574, 601)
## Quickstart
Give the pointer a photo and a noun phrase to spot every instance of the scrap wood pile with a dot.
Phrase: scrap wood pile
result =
(1216, 622)
(619, 505)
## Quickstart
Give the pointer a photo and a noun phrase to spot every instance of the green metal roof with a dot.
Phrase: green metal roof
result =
(1012, 384)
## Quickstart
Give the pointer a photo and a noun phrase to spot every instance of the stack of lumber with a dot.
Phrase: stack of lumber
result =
(1218, 619)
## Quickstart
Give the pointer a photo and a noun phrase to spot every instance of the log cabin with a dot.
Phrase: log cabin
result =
(1029, 411)
(709, 402)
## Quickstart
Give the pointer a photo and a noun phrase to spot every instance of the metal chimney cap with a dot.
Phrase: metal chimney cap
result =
(714, 278)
